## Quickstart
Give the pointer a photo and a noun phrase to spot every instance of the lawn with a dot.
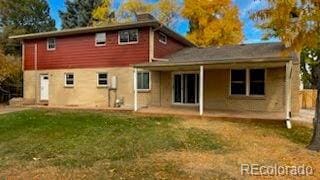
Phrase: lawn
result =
(76, 144)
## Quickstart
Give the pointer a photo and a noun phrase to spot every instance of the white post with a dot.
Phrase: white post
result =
(288, 94)
(201, 91)
(135, 74)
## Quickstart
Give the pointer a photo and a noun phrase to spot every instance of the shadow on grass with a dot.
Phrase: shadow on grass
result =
(299, 134)
(81, 138)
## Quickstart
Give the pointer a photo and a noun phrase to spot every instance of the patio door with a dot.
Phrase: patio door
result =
(186, 88)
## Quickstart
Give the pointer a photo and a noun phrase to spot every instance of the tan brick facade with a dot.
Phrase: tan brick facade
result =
(85, 92)
(216, 91)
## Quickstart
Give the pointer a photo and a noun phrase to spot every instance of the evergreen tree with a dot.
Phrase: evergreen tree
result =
(22, 16)
(79, 13)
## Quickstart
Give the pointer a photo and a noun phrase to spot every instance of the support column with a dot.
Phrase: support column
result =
(201, 90)
(288, 94)
(135, 89)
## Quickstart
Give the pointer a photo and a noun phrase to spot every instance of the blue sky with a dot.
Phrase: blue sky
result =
(252, 34)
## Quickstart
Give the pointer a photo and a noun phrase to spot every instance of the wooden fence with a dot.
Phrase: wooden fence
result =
(308, 98)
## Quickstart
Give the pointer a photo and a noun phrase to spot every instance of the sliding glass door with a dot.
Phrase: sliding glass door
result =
(186, 88)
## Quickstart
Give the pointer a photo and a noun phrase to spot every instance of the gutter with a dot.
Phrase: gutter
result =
(211, 62)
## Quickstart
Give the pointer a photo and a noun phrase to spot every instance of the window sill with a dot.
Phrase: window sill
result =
(244, 97)
(128, 43)
(102, 86)
(100, 45)
(165, 43)
(144, 90)
(66, 86)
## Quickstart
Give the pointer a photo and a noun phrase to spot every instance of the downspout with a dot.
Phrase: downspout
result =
(288, 94)
(151, 45)
(36, 72)
(22, 66)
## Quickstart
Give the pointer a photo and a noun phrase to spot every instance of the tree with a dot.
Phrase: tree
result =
(213, 22)
(10, 69)
(19, 17)
(297, 24)
(103, 14)
(168, 12)
(131, 8)
(310, 58)
(78, 13)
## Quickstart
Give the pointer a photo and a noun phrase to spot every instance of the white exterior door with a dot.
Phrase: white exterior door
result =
(44, 87)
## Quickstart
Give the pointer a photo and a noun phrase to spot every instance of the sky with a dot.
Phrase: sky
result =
(251, 33)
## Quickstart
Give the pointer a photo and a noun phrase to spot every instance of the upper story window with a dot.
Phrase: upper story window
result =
(101, 39)
(51, 44)
(162, 38)
(102, 79)
(248, 82)
(128, 36)
(69, 79)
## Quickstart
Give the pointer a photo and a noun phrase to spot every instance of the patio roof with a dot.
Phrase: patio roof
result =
(244, 53)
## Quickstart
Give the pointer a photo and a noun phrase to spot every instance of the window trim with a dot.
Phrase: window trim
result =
(247, 83)
(144, 90)
(166, 38)
(95, 39)
(172, 88)
(55, 44)
(102, 85)
(65, 80)
(126, 43)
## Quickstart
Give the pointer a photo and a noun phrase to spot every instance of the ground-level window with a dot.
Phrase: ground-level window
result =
(257, 80)
(247, 82)
(238, 82)
(128, 36)
(51, 44)
(102, 79)
(143, 80)
(69, 79)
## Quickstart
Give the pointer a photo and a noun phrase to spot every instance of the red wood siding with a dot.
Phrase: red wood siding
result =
(162, 50)
(29, 55)
(80, 52)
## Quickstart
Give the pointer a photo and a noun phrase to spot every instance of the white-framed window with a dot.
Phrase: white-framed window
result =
(128, 36)
(69, 79)
(143, 80)
(101, 39)
(247, 82)
(102, 79)
(163, 38)
(51, 44)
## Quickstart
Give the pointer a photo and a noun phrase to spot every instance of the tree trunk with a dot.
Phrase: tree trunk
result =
(315, 142)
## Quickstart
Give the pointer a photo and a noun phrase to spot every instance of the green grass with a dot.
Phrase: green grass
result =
(82, 138)
(299, 134)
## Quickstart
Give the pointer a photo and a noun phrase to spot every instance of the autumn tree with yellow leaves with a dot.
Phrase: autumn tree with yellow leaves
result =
(168, 12)
(103, 14)
(213, 22)
(297, 24)
(131, 8)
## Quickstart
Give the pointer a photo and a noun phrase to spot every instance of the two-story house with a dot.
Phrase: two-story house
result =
(144, 64)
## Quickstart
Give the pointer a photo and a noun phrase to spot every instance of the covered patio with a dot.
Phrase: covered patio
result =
(210, 113)
(247, 81)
